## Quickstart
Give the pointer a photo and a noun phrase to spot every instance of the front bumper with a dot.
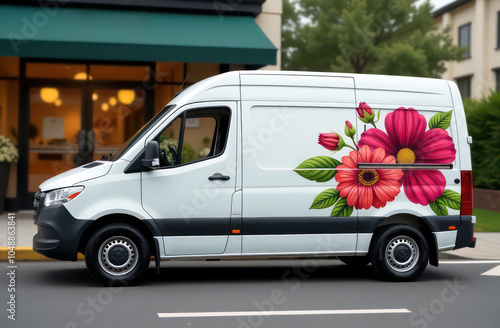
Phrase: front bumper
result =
(59, 233)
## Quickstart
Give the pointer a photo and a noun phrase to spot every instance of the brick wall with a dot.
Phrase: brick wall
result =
(487, 199)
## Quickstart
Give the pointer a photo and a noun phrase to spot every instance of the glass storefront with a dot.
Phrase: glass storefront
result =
(65, 114)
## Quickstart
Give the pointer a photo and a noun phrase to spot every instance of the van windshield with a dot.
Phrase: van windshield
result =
(138, 135)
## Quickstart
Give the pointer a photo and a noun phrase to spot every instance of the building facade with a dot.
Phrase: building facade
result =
(475, 25)
(78, 78)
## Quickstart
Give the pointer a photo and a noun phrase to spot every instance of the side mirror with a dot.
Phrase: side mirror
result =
(151, 156)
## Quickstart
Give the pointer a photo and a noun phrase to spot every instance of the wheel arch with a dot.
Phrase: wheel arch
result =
(148, 229)
(416, 222)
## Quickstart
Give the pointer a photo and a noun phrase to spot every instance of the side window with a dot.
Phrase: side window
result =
(193, 136)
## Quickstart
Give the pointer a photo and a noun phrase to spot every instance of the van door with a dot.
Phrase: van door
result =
(189, 194)
(286, 171)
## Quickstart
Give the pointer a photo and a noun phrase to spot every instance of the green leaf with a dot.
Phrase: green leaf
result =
(441, 120)
(326, 199)
(342, 208)
(452, 199)
(439, 207)
(319, 168)
(378, 116)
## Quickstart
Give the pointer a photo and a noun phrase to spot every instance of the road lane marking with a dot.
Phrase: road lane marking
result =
(471, 262)
(493, 272)
(276, 313)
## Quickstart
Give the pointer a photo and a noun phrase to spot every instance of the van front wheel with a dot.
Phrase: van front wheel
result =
(117, 254)
(399, 253)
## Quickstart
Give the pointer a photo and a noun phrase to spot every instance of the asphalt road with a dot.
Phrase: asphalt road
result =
(62, 294)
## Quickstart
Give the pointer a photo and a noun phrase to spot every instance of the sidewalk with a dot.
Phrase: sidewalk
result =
(487, 245)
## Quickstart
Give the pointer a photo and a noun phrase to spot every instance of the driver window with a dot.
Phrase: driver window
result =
(194, 136)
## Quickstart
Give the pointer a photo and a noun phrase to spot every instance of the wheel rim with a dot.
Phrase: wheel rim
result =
(118, 255)
(402, 254)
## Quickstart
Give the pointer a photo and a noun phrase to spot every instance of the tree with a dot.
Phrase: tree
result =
(365, 36)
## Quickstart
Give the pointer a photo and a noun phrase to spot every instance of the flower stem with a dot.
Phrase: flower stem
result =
(352, 138)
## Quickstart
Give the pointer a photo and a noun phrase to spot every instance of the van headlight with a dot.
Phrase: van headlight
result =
(62, 196)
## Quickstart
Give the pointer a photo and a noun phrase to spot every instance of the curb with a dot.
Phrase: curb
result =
(27, 254)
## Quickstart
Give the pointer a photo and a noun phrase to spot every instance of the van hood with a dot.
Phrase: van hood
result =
(77, 175)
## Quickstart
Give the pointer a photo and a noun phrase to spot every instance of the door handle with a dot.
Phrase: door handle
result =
(218, 176)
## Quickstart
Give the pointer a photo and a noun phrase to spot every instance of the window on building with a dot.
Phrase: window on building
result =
(464, 33)
(464, 85)
(498, 30)
(497, 79)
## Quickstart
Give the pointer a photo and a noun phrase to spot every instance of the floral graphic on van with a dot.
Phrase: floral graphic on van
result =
(405, 141)
(368, 187)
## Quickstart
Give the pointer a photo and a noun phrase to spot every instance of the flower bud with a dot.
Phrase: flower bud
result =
(365, 113)
(331, 141)
(349, 130)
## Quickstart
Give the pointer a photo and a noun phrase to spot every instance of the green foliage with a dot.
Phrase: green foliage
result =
(483, 121)
(326, 199)
(342, 208)
(441, 120)
(364, 36)
(439, 207)
(319, 168)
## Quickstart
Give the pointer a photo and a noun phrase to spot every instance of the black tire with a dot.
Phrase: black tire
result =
(399, 253)
(117, 254)
(355, 261)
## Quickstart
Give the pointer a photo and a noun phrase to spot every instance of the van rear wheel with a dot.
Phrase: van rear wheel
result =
(399, 253)
(117, 254)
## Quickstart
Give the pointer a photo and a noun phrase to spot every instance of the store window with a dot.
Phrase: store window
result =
(464, 39)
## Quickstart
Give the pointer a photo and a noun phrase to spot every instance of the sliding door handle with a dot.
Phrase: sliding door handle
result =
(218, 176)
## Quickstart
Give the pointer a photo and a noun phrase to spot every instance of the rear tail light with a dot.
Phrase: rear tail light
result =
(466, 177)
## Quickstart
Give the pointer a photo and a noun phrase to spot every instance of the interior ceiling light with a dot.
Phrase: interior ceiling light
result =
(113, 101)
(105, 107)
(49, 95)
(81, 76)
(95, 96)
(58, 102)
(126, 96)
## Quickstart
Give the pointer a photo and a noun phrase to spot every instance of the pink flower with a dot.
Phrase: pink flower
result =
(362, 108)
(368, 187)
(331, 141)
(407, 140)
(365, 113)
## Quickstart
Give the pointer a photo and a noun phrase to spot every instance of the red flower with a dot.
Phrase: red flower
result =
(331, 141)
(407, 140)
(368, 187)
(362, 108)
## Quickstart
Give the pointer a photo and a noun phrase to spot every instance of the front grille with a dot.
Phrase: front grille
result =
(36, 201)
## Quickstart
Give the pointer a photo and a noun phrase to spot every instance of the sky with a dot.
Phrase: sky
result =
(440, 3)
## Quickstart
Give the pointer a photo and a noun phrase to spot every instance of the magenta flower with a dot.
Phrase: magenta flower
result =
(407, 140)
(365, 113)
(331, 141)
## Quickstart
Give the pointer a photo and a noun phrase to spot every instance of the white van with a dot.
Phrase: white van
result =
(275, 164)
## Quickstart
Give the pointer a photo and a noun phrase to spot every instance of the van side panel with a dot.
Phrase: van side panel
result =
(282, 117)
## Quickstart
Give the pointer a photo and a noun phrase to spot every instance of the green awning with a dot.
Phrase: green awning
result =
(105, 34)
